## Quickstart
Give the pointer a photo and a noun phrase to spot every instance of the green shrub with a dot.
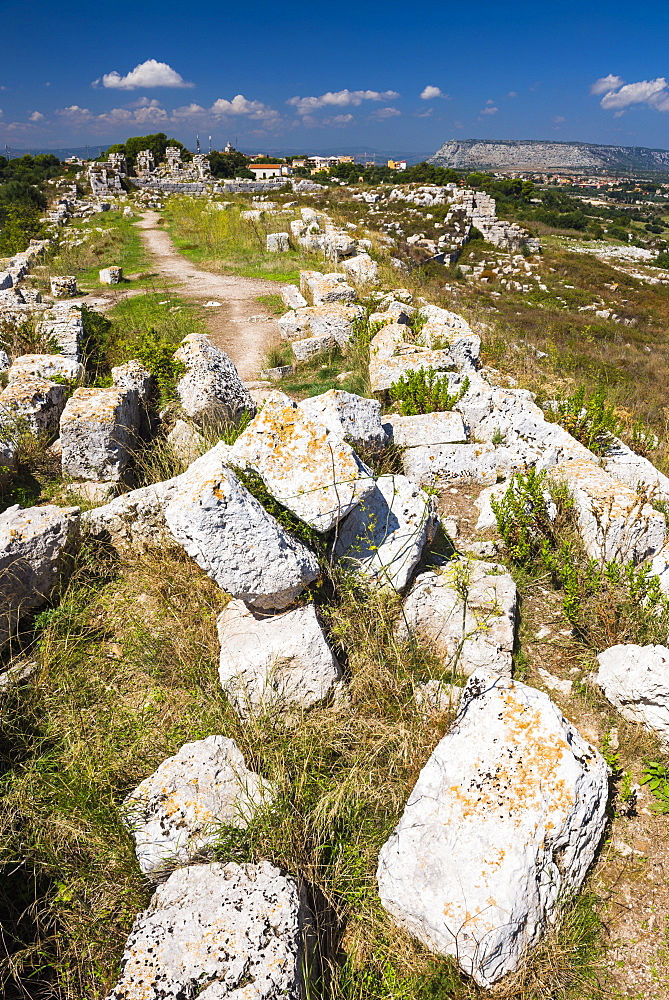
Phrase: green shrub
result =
(656, 776)
(590, 419)
(96, 341)
(157, 355)
(425, 391)
(605, 603)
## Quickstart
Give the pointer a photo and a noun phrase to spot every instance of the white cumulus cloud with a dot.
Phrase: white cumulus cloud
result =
(150, 73)
(429, 93)
(652, 93)
(489, 110)
(240, 105)
(606, 83)
(340, 98)
(74, 111)
(385, 113)
(36, 116)
(339, 121)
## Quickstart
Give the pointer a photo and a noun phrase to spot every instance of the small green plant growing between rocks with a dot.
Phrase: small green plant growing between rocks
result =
(590, 419)
(605, 604)
(157, 355)
(656, 776)
(425, 391)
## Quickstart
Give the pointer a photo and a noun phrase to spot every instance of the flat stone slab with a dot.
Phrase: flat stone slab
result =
(425, 429)
(354, 418)
(503, 823)
(636, 680)
(434, 465)
(614, 522)
(467, 611)
(46, 366)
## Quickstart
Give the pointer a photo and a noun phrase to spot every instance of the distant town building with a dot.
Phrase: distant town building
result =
(397, 164)
(264, 171)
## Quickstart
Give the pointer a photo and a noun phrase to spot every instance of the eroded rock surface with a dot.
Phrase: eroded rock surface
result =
(467, 612)
(505, 819)
(217, 931)
(177, 813)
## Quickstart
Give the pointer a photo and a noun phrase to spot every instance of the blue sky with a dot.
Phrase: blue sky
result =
(364, 75)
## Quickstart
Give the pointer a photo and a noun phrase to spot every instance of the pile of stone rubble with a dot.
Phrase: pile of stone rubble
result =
(507, 814)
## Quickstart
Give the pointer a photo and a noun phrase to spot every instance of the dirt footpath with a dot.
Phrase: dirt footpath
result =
(240, 325)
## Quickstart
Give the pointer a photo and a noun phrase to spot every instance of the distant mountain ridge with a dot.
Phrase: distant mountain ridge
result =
(535, 154)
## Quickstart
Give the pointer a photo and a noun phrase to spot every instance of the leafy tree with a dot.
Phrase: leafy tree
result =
(20, 224)
(227, 165)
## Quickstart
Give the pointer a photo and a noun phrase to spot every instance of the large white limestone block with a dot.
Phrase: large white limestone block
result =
(176, 814)
(211, 389)
(434, 465)
(99, 428)
(636, 680)
(277, 663)
(308, 469)
(361, 269)
(615, 522)
(220, 525)
(503, 823)
(425, 429)
(384, 537)
(635, 471)
(467, 612)
(46, 366)
(217, 932)
(35, 549)
(354, 418)
(33, 403)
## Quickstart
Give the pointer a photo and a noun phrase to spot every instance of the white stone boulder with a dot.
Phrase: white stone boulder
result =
(361, 269)
(635, 470)
(614, 522)
(111, 275)
(311, 347)
(32, 403)
(384, 537)
(354, 418)
(211, 389)
(467, 611)
(63, 286)
(54, 367)
(636, 680)
(331, 288)
(292, 297)
(279, 663)
(221, 526)
(176, 814)
(435, 465)
(503, 823)
(186, 443)
(277, 242)
(217, 932)
(425, 429)
(307, 468)
(35, 549)
(334, 320)
(99, 428)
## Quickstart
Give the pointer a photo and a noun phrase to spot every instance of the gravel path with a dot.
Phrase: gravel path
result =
(240, 325)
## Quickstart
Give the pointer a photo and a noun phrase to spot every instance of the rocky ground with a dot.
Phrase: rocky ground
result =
(277, 602)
